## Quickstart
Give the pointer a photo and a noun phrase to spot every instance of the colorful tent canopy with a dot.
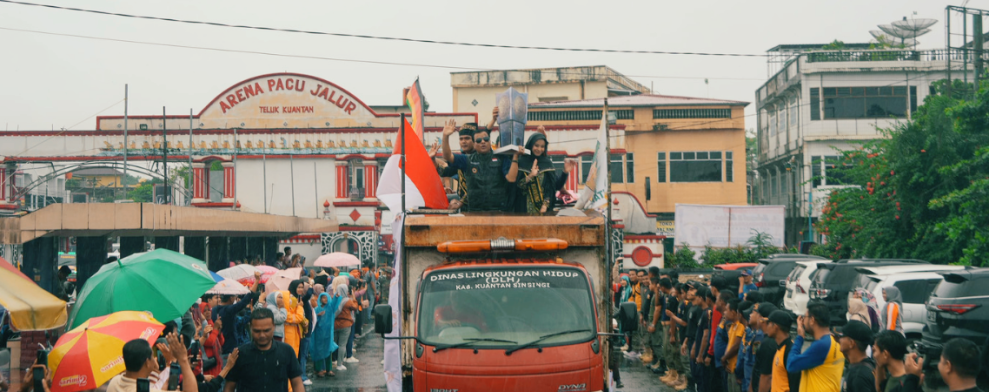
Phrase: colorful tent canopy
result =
(31, 308)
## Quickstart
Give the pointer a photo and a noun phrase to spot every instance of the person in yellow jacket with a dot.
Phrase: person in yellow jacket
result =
(295, 321)
(822, 364)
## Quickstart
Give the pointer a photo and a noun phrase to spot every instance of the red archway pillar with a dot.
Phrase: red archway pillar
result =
(229, 183)
(199, 184)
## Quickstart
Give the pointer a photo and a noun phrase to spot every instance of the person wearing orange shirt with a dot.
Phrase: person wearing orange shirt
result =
(777, 327)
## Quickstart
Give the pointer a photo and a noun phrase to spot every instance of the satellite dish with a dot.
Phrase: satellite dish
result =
(879, 34)
(892, 31)
(914, 24)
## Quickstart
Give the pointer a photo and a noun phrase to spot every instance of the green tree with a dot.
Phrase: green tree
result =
(920, 190)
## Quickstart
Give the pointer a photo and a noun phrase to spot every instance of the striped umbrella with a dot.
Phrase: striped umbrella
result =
(92, 353)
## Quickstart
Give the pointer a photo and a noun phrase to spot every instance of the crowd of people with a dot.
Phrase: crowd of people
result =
(479, 180)
(262, 341)
(704, 337)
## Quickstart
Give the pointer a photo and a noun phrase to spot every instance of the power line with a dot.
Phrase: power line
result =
(333, 58)
(374, 37)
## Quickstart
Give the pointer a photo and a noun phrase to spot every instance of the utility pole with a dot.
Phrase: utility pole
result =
(977, 42)
(126, 146)
(164, 154)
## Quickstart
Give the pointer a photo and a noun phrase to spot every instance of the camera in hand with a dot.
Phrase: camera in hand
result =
(38, 373)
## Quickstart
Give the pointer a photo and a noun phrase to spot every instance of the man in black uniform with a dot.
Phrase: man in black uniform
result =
(490, 178)
(466, 147)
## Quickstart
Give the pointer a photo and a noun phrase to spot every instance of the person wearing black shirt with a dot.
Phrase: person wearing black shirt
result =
(762, 370)
(227, 311)
(859, 374)
(961, 362)
(778, 328)
(702, 339)
(264, 364)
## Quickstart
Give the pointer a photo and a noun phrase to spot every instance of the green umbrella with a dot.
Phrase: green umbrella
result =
(163, 282)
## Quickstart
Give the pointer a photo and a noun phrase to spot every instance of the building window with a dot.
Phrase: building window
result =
(616, 169)
(690, 113)
(661, 167)
(586, 162)
(815, 104)
(833, 174)
(578, 115)
(815, 171)
(214, 182)
(648, 190)
(355, 179)
(558, 163)
(913, 99)
(629, 168)
(864, 102)
(700, 166)
(729, 175)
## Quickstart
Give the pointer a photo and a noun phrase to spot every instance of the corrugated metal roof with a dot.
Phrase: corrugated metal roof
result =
(638, 100)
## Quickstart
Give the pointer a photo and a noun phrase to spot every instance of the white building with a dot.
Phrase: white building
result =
(821, 102)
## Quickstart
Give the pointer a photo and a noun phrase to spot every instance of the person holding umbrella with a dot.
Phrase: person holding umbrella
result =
(227, 312)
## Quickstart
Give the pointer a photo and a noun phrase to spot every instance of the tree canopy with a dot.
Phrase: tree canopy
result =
(922, 191)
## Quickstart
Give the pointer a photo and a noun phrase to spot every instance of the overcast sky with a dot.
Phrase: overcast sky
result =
(57, 81)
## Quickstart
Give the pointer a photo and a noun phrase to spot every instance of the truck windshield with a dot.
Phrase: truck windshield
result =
(489, 306)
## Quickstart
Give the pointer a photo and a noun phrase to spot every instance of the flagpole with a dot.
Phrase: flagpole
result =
(401, 130)
(607, 221)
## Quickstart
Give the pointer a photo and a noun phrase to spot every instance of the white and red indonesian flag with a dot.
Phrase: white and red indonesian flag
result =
(423, 187)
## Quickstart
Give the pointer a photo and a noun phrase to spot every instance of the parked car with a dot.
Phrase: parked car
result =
(773, 270)
(731, 273)
(797, 285)
(957, 308)
(833, 281)
(915, 283)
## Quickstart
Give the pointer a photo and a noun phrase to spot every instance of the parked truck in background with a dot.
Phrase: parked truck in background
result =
(503, 303)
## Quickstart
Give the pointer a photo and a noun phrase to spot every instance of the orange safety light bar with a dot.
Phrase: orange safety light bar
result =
(502, 244)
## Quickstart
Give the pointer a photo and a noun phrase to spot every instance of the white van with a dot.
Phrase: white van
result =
(915, 283)
(798, 286)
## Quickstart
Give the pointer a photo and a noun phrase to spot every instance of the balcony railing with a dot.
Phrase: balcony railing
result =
(890, 55)
(356, 194)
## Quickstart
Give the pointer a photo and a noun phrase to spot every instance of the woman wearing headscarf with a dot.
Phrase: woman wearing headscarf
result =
(323, 343)
(304, 294)
(276, 303)
(294, 320)
(342, 324)
(211, 342)
(893, 311)
(857, 310)
(539, 181)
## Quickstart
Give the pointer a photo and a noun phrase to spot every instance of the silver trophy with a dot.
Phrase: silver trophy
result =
(513, 110)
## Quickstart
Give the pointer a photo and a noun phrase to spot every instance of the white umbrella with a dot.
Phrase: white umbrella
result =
(337, 259)
(228, 287)
(281, 279)
(238, 272)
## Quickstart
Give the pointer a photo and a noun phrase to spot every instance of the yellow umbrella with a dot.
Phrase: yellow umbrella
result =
(92, 353)
(31, 308)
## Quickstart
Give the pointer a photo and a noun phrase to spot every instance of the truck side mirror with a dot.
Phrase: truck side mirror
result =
(628, 317)
(382, 319)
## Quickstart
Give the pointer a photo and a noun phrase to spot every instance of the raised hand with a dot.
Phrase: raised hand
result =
(535, 168)
(569, 165)
(450, 127)
(494, 114)
(541, 130)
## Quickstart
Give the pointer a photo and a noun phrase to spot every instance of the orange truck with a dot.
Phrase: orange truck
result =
(503, 303)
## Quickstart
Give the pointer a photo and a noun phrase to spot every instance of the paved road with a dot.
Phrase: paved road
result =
(367, 376)
(637, 377)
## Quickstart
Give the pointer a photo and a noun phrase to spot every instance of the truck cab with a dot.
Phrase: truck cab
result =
(503, 303)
